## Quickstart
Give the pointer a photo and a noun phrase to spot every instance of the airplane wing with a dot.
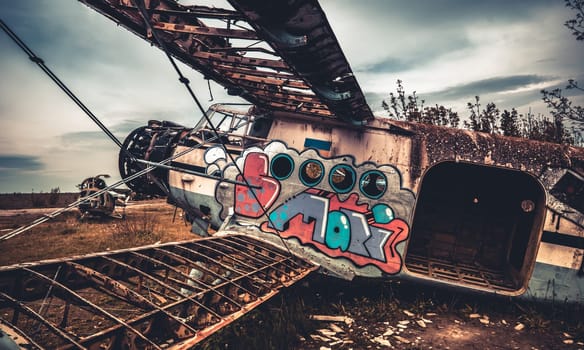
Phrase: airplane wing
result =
(168, 296)
(278, 55)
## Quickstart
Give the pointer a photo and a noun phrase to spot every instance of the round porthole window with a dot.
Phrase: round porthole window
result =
(311, 172)
(373, 184)
(342, 178)
(282, 166)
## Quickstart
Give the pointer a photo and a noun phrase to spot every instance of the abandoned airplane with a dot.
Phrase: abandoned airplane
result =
(304, 178)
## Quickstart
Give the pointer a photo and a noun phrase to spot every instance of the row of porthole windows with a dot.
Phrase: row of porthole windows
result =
(342, 177)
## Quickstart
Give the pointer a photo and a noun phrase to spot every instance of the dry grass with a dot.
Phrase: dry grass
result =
(66, 235)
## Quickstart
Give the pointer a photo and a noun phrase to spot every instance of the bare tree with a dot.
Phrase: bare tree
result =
(576, 25)
(402, 106)
(484, 121)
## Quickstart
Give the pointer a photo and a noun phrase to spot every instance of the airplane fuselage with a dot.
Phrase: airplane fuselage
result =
(395, 200)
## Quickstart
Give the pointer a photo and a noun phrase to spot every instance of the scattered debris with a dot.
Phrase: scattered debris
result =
(421, 323)
(327, 318)
(474, 316)
(320, 338)
(326, 332)
(401, 339)
(340, 341)
(569, 341)
(381, 341)
(409, 313)
(388, 332)
(519, 327)
(404, 322)
(504, 322)
(335, 328)
(430, 314)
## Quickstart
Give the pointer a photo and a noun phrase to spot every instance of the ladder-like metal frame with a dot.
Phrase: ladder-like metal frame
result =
(160, 296)
(279, 55)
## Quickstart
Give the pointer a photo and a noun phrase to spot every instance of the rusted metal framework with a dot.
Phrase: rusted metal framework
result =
(160, 296)
(278, 55)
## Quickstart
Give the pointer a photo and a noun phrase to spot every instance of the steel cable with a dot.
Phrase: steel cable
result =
(145, 16)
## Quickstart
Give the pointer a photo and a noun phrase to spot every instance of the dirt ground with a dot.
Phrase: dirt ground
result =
(368, 314)
(419, 318)
(361, 314)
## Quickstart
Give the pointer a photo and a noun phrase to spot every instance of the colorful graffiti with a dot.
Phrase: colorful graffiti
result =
(342, 228)
(251, 202)
(342, 210)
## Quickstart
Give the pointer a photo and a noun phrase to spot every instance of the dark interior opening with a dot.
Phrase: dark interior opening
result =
(476, 225)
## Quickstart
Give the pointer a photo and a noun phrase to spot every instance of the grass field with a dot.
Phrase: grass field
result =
(145, 223)
(383, 312)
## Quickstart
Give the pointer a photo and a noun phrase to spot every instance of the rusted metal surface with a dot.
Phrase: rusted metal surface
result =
(434, 144)
(288, 50)
(164, 296)
(302, 36)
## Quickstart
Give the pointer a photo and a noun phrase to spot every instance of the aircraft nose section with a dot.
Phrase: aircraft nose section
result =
(155, 143)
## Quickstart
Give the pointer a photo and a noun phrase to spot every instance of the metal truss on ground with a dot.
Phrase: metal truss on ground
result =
(160, 296)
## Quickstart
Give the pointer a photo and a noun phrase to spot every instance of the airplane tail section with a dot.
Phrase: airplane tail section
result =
(160, 296)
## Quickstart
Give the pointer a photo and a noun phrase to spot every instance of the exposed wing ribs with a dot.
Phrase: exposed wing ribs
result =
(167, 296)
(278, 55)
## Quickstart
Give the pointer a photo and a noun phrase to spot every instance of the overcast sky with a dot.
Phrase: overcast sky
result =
(448, 51)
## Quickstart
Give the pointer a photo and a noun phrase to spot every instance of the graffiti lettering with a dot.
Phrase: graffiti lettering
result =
(342, 229)
(255, 171)
(339, 209)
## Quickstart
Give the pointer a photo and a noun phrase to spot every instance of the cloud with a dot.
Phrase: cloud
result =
(406, 31)
(507, 92)
(439, 12)
(119, 129)
(424, 55)
(19, 162)
(487, 86)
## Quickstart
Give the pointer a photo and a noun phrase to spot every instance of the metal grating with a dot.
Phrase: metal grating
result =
(449, 271)
(163, 296)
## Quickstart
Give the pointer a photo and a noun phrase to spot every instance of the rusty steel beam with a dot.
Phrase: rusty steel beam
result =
(300, 108)
(293, 103)
(200, 30)
(254, 71)
(237, 60)
(164, 296)
(267, 80)
(193, 11)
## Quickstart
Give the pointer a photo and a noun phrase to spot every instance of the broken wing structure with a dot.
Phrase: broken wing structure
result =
(280, 56)
(166, 296)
